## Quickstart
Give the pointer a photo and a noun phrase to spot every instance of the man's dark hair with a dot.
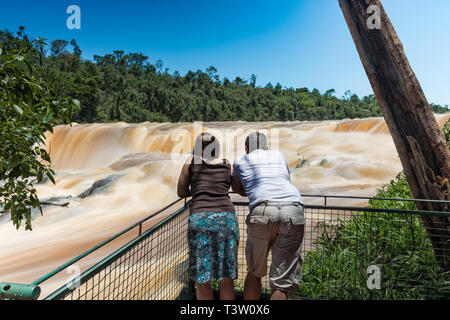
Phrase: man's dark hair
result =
(255, 141)
(206, 146)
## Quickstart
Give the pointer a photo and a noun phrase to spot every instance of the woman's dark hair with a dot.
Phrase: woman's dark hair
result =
(206, 146)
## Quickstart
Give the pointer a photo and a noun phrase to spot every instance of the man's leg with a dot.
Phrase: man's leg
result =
(278, 295)
(286, 268)
(256, 251)
(252, 287)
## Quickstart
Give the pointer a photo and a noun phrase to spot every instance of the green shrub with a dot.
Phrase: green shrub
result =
(396, 243)
(446, 130)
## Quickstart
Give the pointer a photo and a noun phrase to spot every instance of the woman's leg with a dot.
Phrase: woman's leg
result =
(204, 291)
(227, 289)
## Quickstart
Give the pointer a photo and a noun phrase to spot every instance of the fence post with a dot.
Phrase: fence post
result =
(191, 289)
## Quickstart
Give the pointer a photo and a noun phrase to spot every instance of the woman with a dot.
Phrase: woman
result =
(213, 230)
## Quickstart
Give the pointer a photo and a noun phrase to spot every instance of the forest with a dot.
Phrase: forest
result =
(128, 87)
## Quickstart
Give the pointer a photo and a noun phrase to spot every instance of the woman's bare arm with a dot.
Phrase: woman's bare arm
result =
(236, 184)
(183, 180)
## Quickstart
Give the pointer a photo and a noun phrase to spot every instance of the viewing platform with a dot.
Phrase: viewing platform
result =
(345, 249)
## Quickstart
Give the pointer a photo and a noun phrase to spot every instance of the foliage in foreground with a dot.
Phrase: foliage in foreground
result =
(28, 108)
(397, 243)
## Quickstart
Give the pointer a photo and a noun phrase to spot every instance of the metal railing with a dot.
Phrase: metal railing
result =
(109, 278)
(363, 253)
(348, 253)
(413, 201)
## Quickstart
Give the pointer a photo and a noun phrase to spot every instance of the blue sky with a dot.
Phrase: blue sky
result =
(303, 43)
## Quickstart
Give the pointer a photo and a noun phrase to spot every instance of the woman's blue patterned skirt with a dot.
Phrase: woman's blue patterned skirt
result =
(213, 246)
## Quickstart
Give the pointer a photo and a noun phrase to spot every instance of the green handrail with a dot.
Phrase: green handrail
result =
(116, 254)
(15, 291)
(374, 198)
(84, 254)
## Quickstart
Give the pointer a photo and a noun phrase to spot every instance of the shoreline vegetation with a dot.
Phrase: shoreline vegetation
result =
(398, 244)
(127, 87)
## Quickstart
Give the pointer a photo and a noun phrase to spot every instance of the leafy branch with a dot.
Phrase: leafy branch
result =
(28, 109)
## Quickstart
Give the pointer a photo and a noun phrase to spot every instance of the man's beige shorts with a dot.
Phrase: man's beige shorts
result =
(283, 237)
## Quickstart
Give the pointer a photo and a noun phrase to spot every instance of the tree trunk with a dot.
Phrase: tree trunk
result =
(419, 141)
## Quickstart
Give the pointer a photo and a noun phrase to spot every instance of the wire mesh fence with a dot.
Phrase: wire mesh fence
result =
(360, 253)
(151, 267)
(357, 253)
(348, 253)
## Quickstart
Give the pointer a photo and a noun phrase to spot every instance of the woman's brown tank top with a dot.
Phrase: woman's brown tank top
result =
(209, 186)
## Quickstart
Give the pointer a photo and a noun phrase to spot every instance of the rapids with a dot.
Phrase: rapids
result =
(141, 164)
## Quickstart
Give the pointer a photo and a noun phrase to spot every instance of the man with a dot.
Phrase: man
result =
(276, 220)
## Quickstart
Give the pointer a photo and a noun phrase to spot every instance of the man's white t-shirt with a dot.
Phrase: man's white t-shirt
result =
(265, 176)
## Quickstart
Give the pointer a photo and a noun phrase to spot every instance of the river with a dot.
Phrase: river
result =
(141, 164)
